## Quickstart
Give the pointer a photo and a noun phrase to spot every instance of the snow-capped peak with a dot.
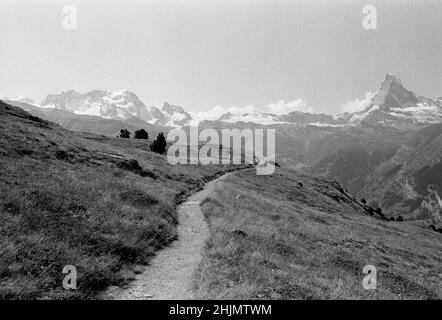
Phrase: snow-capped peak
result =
(175, 116)
(18, 98)
(396, 106)
(393, 105)
(121, 104)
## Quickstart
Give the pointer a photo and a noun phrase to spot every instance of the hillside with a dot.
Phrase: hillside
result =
(410, 183)
(98, 203)
(356, 156)
(107, 204)
(88, 123)
(293, 236)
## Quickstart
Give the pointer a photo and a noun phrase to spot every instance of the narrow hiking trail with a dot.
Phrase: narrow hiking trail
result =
(170, 273)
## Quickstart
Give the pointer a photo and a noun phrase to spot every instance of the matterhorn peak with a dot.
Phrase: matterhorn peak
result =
(392, 78)
(393, 94)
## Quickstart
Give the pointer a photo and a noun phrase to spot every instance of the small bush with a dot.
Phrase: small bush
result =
(61, 155)
(399, 218)
(133, 166)
(124, 133)
(141, 134)
(130, 165)
(363, 201)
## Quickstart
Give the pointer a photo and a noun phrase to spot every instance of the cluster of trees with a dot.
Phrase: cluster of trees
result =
(139, 134)
(158, 145)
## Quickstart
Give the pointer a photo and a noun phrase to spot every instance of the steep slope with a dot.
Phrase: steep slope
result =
(350, 155)
(97, 203)
(86, 123)
(294, 236)
(410, 183)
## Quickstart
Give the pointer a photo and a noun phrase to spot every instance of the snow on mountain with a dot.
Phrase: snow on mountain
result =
(314, 119)
(398, 107)
(18, 99)
(174, 116)
(392, 106)
(365, 114)
(255, 116)
(117, 105)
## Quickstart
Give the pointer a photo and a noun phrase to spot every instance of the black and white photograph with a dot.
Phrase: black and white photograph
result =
(248, 152)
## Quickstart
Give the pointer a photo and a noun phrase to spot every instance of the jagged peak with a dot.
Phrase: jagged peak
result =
(71, 91)
(122, 92)
(391, 81)
(392, 78)
(167, 107)
(392, 93)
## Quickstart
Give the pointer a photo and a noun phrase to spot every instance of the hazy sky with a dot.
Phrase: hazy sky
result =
(202, 54)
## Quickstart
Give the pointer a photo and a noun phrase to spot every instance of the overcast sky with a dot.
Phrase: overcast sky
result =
(314, 55)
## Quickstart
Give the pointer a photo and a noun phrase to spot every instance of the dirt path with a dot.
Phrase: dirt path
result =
(170, 273)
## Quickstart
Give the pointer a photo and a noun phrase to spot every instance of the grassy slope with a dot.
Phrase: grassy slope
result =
(65, 200)
(309, 241)
(85, 123)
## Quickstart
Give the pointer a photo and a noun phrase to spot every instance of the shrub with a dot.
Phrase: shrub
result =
(130, 165)
(378, 211)
(133, 166)
(61, 155)
(141, 134)
(363, 201)
(159, 144)
(399, 218)
(124, 133)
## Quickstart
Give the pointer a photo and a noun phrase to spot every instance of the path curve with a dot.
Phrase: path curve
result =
(171, 272)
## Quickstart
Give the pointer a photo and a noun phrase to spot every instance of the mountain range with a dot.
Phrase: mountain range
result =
(392, 106)
(389, 153)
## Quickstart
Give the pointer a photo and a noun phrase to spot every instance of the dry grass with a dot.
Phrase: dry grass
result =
(100, 204)
(305, 239)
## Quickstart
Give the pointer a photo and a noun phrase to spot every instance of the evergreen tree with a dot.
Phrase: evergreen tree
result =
(159, 144)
